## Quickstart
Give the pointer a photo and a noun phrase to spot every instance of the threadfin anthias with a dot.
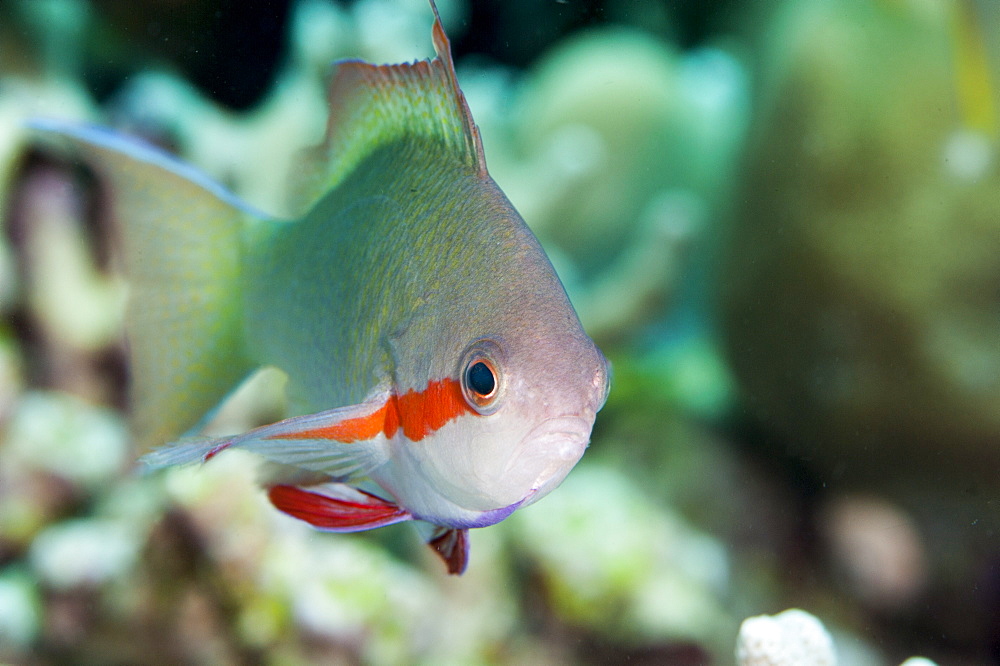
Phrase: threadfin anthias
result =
(436, 366)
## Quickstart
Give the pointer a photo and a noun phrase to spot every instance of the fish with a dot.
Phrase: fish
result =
(436, 370)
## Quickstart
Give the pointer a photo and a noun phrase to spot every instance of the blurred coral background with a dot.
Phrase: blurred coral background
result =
(780, 221)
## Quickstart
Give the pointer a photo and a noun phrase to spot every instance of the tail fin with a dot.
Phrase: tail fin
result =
(182, 237)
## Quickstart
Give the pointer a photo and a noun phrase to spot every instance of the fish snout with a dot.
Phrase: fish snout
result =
(548, 452)
(601, 382)
(563, 437)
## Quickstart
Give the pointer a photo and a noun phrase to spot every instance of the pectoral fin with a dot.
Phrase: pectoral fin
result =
(342, 443)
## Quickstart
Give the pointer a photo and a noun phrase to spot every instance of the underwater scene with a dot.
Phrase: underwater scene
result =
(257, 311)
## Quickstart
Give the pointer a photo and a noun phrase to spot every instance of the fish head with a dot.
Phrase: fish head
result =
(494, 323)
(530, 402)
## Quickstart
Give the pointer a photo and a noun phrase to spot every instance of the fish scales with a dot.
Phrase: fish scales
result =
(441, 240)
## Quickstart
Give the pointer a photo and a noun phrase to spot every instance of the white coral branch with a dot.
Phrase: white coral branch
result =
(791, 638)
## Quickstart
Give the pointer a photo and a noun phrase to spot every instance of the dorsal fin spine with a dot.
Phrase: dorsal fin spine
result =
(375, 105)
(443, 49)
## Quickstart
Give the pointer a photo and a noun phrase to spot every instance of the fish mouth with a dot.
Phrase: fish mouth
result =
(484, 494)
(550, 450)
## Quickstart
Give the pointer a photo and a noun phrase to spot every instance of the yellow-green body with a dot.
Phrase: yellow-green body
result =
(434, 253)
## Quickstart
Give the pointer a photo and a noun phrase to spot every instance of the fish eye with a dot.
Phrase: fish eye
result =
(480, 376)
(481, 380)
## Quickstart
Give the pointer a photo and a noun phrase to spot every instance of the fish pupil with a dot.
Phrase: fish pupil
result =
(480, 379)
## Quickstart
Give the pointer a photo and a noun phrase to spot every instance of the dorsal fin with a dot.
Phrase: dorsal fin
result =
(373, 105)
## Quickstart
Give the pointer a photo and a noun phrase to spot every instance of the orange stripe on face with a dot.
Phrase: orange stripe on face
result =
(419, 413)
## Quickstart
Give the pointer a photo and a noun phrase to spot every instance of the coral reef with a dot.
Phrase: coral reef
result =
(857, 283)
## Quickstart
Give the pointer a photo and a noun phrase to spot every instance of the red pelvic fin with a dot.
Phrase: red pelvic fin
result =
(453, 547)
(336, 507)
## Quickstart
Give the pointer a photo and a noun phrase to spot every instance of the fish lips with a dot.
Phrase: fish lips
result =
(550, 450)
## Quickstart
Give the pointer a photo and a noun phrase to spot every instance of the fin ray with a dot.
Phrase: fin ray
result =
(374, 105)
